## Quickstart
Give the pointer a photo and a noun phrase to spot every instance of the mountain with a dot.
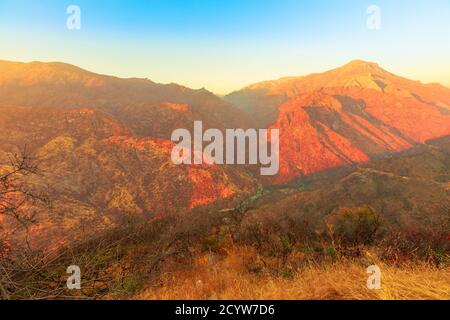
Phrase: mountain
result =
(103, 143)
(264, 99)
(344, 116)
(104, 150)
(145, 107)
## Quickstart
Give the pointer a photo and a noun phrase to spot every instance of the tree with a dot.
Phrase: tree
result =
(17, 197)
(15, 190)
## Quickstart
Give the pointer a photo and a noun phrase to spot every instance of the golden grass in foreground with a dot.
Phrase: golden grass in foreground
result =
(228, 279)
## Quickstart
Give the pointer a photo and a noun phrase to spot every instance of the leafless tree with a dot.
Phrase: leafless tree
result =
(15, 191)
(17, 197)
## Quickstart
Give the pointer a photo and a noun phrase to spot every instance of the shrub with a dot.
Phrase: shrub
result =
(354, 226)
(417, 243)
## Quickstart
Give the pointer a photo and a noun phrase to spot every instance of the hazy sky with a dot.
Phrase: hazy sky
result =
(226, 44)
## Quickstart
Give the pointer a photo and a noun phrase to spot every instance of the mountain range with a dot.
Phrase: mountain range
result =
(104, 146)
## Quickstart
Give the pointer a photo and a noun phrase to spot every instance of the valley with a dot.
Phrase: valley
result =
(363, 178)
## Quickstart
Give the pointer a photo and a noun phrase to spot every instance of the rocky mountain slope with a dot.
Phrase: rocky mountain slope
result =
(345, 116)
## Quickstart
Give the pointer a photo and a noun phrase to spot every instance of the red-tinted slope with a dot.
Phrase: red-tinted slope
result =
(345, 115)
(341, 126)
(263, 100)
(98, 175)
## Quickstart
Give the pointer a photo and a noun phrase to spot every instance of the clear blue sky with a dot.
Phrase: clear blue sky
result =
(226, 44)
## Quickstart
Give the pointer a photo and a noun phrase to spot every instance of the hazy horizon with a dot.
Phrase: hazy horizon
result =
(224, 46)
(219, 94)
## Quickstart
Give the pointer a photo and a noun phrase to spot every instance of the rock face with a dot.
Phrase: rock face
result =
(346, 115)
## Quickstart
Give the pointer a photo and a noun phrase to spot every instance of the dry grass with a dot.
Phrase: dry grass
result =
(229, 278)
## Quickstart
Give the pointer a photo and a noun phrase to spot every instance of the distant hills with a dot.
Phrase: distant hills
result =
(145, 107)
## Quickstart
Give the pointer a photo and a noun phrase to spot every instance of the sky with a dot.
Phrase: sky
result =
(224, 45)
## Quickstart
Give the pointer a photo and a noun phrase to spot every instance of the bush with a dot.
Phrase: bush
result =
(417, 243)
(354, 226)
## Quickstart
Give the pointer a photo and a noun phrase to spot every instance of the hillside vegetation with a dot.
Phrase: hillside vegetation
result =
(270, 246)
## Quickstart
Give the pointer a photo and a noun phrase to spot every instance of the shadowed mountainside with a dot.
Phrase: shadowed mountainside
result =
(410, 190)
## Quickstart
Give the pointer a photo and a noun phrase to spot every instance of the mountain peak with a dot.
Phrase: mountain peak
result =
(362, 66)
(358, 62)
